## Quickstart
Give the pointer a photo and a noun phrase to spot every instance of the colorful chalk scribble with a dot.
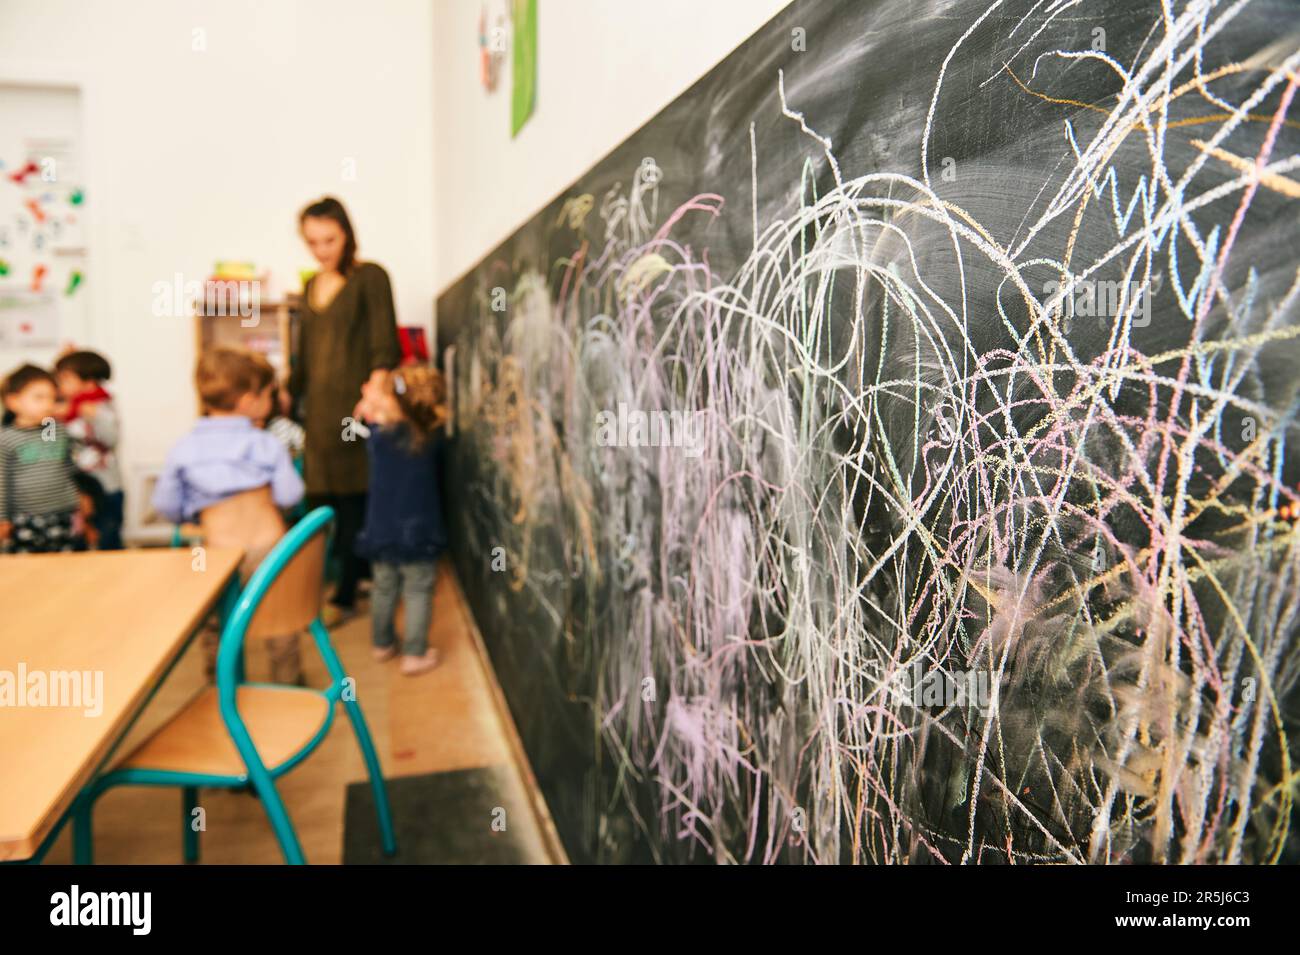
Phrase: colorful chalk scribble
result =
(1024, 432)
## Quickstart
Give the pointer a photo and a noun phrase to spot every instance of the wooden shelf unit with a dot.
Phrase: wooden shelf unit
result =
(275, 335)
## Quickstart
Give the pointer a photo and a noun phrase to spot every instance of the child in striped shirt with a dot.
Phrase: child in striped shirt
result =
(39, 507)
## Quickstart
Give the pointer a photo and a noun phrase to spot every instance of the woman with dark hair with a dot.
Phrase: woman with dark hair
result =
(347, 338)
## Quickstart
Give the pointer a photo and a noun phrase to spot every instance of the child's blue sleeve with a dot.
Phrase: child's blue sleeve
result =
(286, 484)
(169, 492)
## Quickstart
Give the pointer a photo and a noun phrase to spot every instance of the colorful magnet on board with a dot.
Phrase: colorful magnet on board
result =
(38, 276)
(77, 197)
(34, 208)
(74, 280)
(4, 267)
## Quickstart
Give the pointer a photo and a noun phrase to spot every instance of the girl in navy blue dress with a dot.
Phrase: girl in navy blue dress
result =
(404, 533)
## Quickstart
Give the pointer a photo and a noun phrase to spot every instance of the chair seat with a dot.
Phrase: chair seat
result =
(281, 720)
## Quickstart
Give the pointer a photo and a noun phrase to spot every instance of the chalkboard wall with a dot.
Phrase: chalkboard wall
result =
(887, 453)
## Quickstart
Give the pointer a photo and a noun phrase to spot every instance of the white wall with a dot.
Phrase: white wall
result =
(197, 156)
(604, 68)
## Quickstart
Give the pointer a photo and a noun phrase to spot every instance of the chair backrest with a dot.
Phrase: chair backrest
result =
(282, 596)
(293, 599)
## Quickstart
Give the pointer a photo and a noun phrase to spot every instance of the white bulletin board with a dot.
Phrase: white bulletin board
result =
(43, 203)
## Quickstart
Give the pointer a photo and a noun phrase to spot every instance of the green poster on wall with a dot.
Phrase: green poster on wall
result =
(524, 93)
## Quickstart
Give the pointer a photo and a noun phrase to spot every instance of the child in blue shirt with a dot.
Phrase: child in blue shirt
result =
(226, 452)
(227, 456)
(404, 533)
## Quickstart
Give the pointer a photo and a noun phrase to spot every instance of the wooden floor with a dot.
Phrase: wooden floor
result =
(448, 719)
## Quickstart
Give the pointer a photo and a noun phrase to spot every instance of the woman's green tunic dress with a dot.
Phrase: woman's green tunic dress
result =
(337, 350)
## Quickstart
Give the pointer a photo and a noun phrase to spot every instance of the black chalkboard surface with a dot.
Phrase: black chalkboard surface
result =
(887, 453)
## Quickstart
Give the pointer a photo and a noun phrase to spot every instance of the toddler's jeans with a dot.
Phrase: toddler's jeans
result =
(413, 582)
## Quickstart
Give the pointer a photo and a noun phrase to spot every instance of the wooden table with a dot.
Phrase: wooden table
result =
(123, 616)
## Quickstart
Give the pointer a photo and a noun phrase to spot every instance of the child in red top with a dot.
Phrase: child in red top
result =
(92, 423)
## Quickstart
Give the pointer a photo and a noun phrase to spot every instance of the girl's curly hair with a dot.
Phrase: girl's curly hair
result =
(421, 393)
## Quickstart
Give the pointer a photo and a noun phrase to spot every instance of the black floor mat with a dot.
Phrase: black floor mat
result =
(442, 818)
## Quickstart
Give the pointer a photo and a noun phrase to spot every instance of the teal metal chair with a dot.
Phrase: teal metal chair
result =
(238, 735)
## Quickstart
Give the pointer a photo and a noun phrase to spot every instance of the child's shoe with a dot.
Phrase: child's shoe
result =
(414, 666)
(384, 654)
(332, 615)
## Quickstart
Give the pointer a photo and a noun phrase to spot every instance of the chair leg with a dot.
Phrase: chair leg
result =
(377, 786)
(83, 832)
(83, 823)
(364, 740)
(189, 802)
(279, 817)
